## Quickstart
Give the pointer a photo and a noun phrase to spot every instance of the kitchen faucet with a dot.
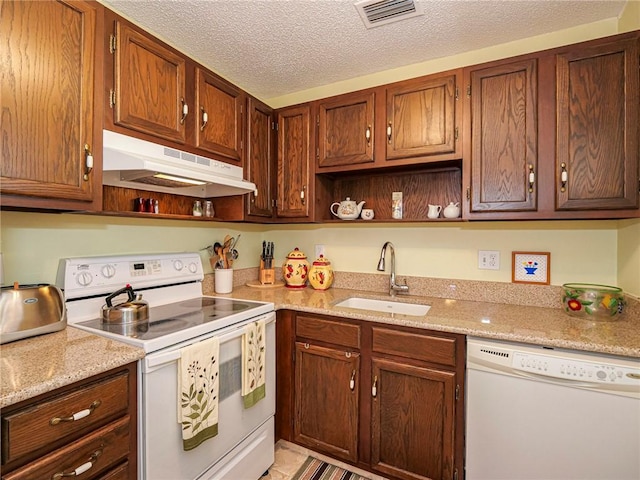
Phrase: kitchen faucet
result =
(393, 288)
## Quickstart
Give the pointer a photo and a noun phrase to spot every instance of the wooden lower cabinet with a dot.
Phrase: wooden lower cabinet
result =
(412, 420)
(326, 411)
(387, 399)
(86, 430)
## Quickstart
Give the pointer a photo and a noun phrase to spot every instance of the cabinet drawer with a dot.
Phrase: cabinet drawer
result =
(416, 346)
(337, 333)
(96, 453)
(121, 472)
(34, 427)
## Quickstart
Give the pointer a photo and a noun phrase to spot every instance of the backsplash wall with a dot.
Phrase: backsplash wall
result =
(32, 244)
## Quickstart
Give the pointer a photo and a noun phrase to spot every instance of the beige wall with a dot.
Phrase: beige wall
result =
(630, 18)
(584, 251)
(629, 256)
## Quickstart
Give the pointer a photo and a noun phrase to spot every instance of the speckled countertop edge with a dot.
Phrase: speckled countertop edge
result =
(41, 364)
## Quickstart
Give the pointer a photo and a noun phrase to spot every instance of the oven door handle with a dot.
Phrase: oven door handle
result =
(157, 360)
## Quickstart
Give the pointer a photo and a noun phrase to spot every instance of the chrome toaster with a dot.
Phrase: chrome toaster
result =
(30, 310)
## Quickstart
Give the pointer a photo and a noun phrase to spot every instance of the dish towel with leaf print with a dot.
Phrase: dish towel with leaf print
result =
(253, 363)
(198, 392)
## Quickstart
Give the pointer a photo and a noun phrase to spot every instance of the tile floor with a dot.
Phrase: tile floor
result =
(289, 457)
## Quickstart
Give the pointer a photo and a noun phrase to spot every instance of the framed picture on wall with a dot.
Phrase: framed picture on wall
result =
(531, 267)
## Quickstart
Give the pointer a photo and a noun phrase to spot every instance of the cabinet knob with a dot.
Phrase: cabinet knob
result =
(374, 387)
(88, 159)
(185, 111)
(81, 469)
(532, 178)
(205, 118)
(367, 135)
(352, 380)
(564, 176)
(76, 416)
(389, 133)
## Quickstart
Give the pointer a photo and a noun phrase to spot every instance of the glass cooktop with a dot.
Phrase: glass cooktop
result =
(177, 317)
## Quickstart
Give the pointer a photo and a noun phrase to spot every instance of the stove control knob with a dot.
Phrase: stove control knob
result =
(193, 268)
(84, 279)
(108, 270)
(178, 265)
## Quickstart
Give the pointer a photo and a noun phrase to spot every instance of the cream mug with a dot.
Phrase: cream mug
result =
(367, 214)
(434, 211)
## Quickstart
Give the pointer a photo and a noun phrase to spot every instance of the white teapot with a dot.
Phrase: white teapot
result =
(347, 209)
(452, 210)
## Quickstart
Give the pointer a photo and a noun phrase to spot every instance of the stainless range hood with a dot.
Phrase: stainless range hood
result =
(133, 163)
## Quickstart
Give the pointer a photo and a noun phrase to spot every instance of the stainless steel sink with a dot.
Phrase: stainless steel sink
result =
(385, 306)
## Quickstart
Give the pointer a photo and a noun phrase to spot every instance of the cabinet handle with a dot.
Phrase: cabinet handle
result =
(532, 178)
(205, 119)
(367, 135)
(88, 160)
(303, 194)
(352, 381)
(81, 469)
(185, 111)
(564, 176)
(306, 346)
(374, 388)
(78, 415)
(389, 133)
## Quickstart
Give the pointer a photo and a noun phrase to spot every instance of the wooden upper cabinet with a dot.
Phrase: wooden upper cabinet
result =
(503, 153)
(259, 158)
(421, 118)
(345, 130)
(48, 126)
(597, 127)
(149, 85)
(220, 109)
(294, 138)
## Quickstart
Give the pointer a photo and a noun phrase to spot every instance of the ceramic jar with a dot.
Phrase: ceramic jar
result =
(295, 269)
(321, 273)
(452, 210)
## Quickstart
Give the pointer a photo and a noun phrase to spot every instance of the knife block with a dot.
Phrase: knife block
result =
(267, 275)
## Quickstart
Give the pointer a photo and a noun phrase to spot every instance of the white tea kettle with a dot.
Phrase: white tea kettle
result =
(347, 209)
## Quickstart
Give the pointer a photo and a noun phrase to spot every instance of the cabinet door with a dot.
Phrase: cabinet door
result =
(150, 86)
(597, 122)
(259, 151)
(326, 400)
(345, 130)
(412, 426)
(47, 99)
(421, 117)
(504, 137)
(293, 161)
(220, 113)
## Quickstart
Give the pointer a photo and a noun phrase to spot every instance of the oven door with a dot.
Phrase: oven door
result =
(161, 454)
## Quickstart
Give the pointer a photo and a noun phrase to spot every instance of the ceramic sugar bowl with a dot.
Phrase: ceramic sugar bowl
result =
(452, 210)
(295, 269)
(321, 273)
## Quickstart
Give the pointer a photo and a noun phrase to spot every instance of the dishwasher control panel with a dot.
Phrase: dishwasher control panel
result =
(570, 369)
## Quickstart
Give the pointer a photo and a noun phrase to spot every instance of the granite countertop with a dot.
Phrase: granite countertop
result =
(534, 325)
(40, 364)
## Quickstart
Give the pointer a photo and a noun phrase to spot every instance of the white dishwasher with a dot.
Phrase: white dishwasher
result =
(534, 413)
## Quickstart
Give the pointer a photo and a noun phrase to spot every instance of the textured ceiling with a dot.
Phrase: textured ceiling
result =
(276, 47)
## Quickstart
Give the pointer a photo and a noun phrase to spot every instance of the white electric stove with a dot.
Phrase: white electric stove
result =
(179, 315)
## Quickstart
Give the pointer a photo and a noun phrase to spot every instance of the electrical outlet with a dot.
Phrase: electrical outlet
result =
(319, 251)
(488, 260)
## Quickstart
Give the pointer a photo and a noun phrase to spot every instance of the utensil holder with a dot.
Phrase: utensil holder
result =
(267, 275)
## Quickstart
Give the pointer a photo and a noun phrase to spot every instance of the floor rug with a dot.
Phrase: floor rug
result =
(314, 469)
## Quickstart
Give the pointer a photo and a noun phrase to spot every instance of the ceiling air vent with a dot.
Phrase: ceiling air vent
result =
(380, 12)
